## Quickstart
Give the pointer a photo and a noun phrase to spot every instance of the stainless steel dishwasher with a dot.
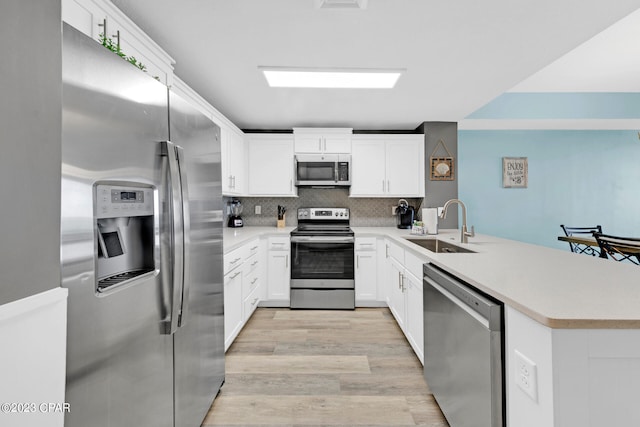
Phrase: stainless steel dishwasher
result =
(463, 350)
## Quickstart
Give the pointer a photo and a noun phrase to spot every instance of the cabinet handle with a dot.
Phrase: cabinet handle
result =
(388, 186)
(286, 261)
(236, 275)
(399, 279)
(230, 181)
(254, 263)
(386, 251)
(235, 260)
(117, 36)
(254, 280)
(383, 185)
(254, 248)
(402, 288)
(325, 145)
(255, 300)
(234, 182)
(357, 262)
(290, 185)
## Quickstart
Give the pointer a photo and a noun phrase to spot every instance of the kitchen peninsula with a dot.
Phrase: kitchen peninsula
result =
(577, 318)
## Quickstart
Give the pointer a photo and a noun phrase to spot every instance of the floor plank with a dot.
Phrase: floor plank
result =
(323, 368)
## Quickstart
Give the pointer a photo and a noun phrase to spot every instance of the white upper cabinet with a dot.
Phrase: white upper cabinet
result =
(233, 162)
(387, 166)
(92, 16)
(270, 165)
(322, 140)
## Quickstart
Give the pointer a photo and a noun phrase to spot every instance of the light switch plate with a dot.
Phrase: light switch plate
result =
(526, 375)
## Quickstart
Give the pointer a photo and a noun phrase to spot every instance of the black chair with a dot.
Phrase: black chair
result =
(586, 231)
(619, 248)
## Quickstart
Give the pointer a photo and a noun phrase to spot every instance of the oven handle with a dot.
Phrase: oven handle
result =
(323, 239)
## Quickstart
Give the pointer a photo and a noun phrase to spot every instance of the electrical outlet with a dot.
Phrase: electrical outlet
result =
(526, 375)
(258, 210)
(393, 210)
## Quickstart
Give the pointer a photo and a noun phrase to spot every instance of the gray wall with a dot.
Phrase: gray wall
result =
(30, 124)
(438, 192)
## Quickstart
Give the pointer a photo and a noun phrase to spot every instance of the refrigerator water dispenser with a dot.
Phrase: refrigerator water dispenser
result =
(124, 226)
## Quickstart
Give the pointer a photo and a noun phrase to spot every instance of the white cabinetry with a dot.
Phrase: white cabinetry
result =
(91, 17)
(366, 271)
(278, 271)
(404, 293)
(322, 140)
(233, 162)
(241, 288)
(271, 165)
(387, 166)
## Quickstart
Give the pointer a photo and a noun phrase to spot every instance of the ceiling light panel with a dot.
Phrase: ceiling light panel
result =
(340, 4)
(331, 78)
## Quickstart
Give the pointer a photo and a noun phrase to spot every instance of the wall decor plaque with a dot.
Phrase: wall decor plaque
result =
(515, 172)
(442, 168)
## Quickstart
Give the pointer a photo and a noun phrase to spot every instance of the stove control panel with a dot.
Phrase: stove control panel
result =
(323, 213)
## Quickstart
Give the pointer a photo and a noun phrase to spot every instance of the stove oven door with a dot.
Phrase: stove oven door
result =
(322, 261)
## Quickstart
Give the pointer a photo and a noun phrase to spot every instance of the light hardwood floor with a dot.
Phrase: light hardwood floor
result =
(323, 368)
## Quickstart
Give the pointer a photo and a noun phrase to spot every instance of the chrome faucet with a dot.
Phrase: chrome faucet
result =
(464, 234)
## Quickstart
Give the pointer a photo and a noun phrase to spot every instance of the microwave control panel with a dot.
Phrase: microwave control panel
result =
(113, 201)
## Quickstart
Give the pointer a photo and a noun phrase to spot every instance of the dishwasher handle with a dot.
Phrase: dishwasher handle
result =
(480, 306)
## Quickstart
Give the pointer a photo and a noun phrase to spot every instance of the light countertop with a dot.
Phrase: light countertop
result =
(557, 288)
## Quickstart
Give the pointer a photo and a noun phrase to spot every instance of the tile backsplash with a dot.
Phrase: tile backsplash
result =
(365, 212)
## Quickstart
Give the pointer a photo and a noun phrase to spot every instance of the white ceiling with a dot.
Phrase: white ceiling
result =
(459, 55)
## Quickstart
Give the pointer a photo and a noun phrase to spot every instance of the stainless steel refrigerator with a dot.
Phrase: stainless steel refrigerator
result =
(141, 246)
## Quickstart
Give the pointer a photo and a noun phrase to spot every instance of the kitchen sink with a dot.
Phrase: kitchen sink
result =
(439, 246)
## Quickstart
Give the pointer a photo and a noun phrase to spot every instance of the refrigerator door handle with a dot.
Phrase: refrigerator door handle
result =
(176, 233)
(186, 237)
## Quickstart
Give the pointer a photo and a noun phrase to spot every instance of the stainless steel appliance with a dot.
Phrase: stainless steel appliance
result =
(322, 260)
(141, 246)
(404, 214)
(235, 209)
(463, 350)
(323, 170)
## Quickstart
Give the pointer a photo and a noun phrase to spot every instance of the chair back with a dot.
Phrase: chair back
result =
(578, 248)
(619, 248)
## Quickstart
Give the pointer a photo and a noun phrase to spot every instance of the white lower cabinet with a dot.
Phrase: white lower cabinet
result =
(278, 271)
(403, 272)
(241, 288)
(366, 271)
(232, 305)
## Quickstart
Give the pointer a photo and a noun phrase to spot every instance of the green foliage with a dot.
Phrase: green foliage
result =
(115, 48)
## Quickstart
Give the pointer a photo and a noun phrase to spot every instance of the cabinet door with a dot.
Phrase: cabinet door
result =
(336, 143)
(233, 162)
(405, 168)
(414, 314)
(395, 296)
(232, 306)
(271, 167)
(368, 168)
(308, 143)
(366, 276)
(278, 276)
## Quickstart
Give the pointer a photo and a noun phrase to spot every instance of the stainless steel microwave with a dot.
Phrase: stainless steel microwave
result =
(320, 170)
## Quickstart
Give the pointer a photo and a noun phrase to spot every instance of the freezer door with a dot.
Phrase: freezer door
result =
(119, 362)
(199, 339)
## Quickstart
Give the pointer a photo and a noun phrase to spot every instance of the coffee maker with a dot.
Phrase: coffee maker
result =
(235, 209)
(404, 214)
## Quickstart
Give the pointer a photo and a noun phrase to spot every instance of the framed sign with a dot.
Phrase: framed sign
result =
(441, 167)
(515, 172)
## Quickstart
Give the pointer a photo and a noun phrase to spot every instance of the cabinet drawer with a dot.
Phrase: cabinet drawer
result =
(249, 305)
(249, 283)
(413, 264)
(278, 244)
(233, 259)
(250, 265)
(252, 247)
(365, 244)
(394, 251)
